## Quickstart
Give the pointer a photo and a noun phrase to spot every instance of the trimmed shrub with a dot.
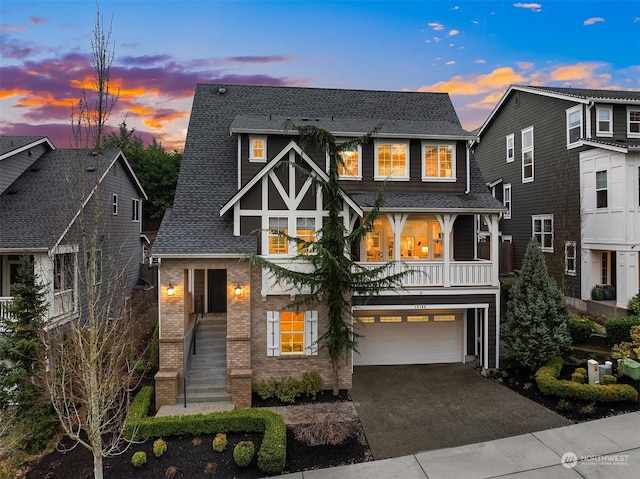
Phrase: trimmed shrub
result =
(264, 389)
(580, 329)
(139, 459)
(582, 371)
(608, 379)
(312, 384)
(159, 447)
(220, 442)
(619, 329)
(548, 383)
(577, 378)
(634, 304)
(243, 453)
(288, 389)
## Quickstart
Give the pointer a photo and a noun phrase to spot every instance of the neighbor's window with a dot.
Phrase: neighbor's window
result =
(114, 204)
(542, 229)
(392, 161)
(135, 209)
(292, 332)
(602, 199)
(506, 200)
(510, 148)
(257, 148)
(277, 242)
(63, 271)
(574, 124)
(633, 122)
(305, 230)
(604, 121)
(527, 155)
(570, 258)
(438, 161)
(350, 168)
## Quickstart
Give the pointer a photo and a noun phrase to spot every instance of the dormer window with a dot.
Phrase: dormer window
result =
(258, 148)
(604, 121)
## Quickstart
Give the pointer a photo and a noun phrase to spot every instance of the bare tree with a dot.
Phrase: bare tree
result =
(90, 359)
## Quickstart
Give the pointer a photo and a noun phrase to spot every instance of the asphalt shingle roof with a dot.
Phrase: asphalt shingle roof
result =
(586, 93)
(12, 143)
(208, 176)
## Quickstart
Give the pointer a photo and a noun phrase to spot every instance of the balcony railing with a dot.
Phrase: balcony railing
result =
(421, 274)
(5, 302)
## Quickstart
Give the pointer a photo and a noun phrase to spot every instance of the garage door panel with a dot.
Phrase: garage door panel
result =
(409, 343)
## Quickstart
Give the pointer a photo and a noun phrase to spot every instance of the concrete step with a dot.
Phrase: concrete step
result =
(208, 381)
(213, 390)
(203, 397)
(207, 373)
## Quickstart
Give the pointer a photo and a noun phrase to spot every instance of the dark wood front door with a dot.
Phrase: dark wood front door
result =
(217, 290)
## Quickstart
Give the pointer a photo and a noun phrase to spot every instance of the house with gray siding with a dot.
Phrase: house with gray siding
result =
(47, 199)
(565, 162)
(240, 185)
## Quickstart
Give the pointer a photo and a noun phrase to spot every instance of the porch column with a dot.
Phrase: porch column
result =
(447, 226)
(494, 233)
(397, 222)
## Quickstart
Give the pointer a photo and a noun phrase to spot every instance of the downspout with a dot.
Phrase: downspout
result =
(588, 119)
(468, 169)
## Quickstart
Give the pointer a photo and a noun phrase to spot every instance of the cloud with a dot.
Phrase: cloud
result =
(260, 59)
(480, 61)
(6, 28)
(453, 33)
(11, 48)
(593, 20)
(525, 65)
(436, 26)
(534, 7)
(475, 84)
(38, 20)
(450, 62)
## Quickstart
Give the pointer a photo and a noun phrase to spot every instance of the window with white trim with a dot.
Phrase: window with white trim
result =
(114, 204)
(135, 210)
(574, 124)
(542, 229)
(604, 121)
(527, 155)
(511, 151)
(306, 231)
(602, 195)
(633, 122)
(64, 270)
(258, 148)
(438, 161)
(351, 166)
(506, 200)
(292, 332)
(570, 258)
(391, 161)
(278, 244)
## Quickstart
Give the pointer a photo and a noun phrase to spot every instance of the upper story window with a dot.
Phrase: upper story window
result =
(510, 148)
(438, 161)
(391, 161)
(277, 242)
(602, 199)
(570, 258)
(527, 155)
(64, 266)
(506, 200)
(604, 121)
(135, 210)
(542, 229)
(258, 148)
(574, 124)
(351, 166)
(633, 122)
(114, 204)
(306, 231)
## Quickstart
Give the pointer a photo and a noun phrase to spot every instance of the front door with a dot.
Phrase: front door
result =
(217, 290)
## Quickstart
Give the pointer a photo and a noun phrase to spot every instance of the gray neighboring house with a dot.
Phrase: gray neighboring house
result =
(43, 192)
(566, 164)
(238, 185)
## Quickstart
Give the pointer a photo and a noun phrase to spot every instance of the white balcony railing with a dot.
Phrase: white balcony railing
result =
(421, 274)
(5, 302)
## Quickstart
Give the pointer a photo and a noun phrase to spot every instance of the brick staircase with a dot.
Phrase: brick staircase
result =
(207, 378)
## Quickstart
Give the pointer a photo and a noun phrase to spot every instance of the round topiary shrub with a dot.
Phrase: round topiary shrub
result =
(159, 447)
(139, 459)
(243, 453)
(582, 371)
(220, 442)
(578, 378)
(608, 379)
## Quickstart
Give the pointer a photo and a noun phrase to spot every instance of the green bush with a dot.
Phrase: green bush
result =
(264, 389)
(243, 453)
(288, 389)
(159, 447)
(634, 304)
(39, 423)
(548, 383)
(220, 442)
(618, 329)
(577, 378)
(608, 379)
(580, 329)
(312, 384)
(139, 459)
(582, 371)
(273, 451)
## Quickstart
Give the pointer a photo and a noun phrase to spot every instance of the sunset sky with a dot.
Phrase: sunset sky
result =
(472, 50)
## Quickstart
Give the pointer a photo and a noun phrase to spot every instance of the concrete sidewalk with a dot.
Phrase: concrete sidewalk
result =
(605, 448)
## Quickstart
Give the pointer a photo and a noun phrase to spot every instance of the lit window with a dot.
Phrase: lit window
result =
(438, 161)
(527, 155)
(444, 317)
(417, 319)
(506, 200)
(574, 125)
(306, 231)
(602, 199)
(365, 319)
(277, 242)
(350, 166)
(604, 121)
(510, 148)
(390, 319)
(291, 332)
(570, 258)
(633, 123)
(392, 161)
(258, 148)
(542, 226)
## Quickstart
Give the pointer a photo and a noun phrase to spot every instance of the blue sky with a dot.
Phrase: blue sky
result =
(472, 50)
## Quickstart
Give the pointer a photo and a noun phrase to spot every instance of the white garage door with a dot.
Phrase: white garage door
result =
(409, 343)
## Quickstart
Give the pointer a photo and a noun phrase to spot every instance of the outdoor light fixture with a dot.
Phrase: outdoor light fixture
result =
(237, 290)
(171, 290)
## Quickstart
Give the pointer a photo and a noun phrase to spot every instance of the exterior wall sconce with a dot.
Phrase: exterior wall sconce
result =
(171, 290)
(237, 291)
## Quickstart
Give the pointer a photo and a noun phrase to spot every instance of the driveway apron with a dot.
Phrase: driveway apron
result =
(411, 408)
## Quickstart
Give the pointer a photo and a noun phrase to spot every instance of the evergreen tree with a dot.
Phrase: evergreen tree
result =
(334, 276)
(537, 314)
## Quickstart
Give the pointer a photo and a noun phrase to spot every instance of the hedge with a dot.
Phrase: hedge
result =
(581, 329)
(618, 329)
(273, 451)
(548, 383)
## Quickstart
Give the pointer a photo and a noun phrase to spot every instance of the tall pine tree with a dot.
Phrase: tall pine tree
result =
(537, 314)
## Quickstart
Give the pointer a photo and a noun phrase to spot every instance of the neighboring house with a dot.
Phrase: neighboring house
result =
(45, 193)
(238, 184)
(566, 164)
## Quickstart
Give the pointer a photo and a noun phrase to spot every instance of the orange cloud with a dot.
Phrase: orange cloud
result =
(4, 93)
(477, 84)
(157, 123)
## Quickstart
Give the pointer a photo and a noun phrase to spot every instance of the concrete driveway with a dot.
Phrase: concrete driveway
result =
(413, 408)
